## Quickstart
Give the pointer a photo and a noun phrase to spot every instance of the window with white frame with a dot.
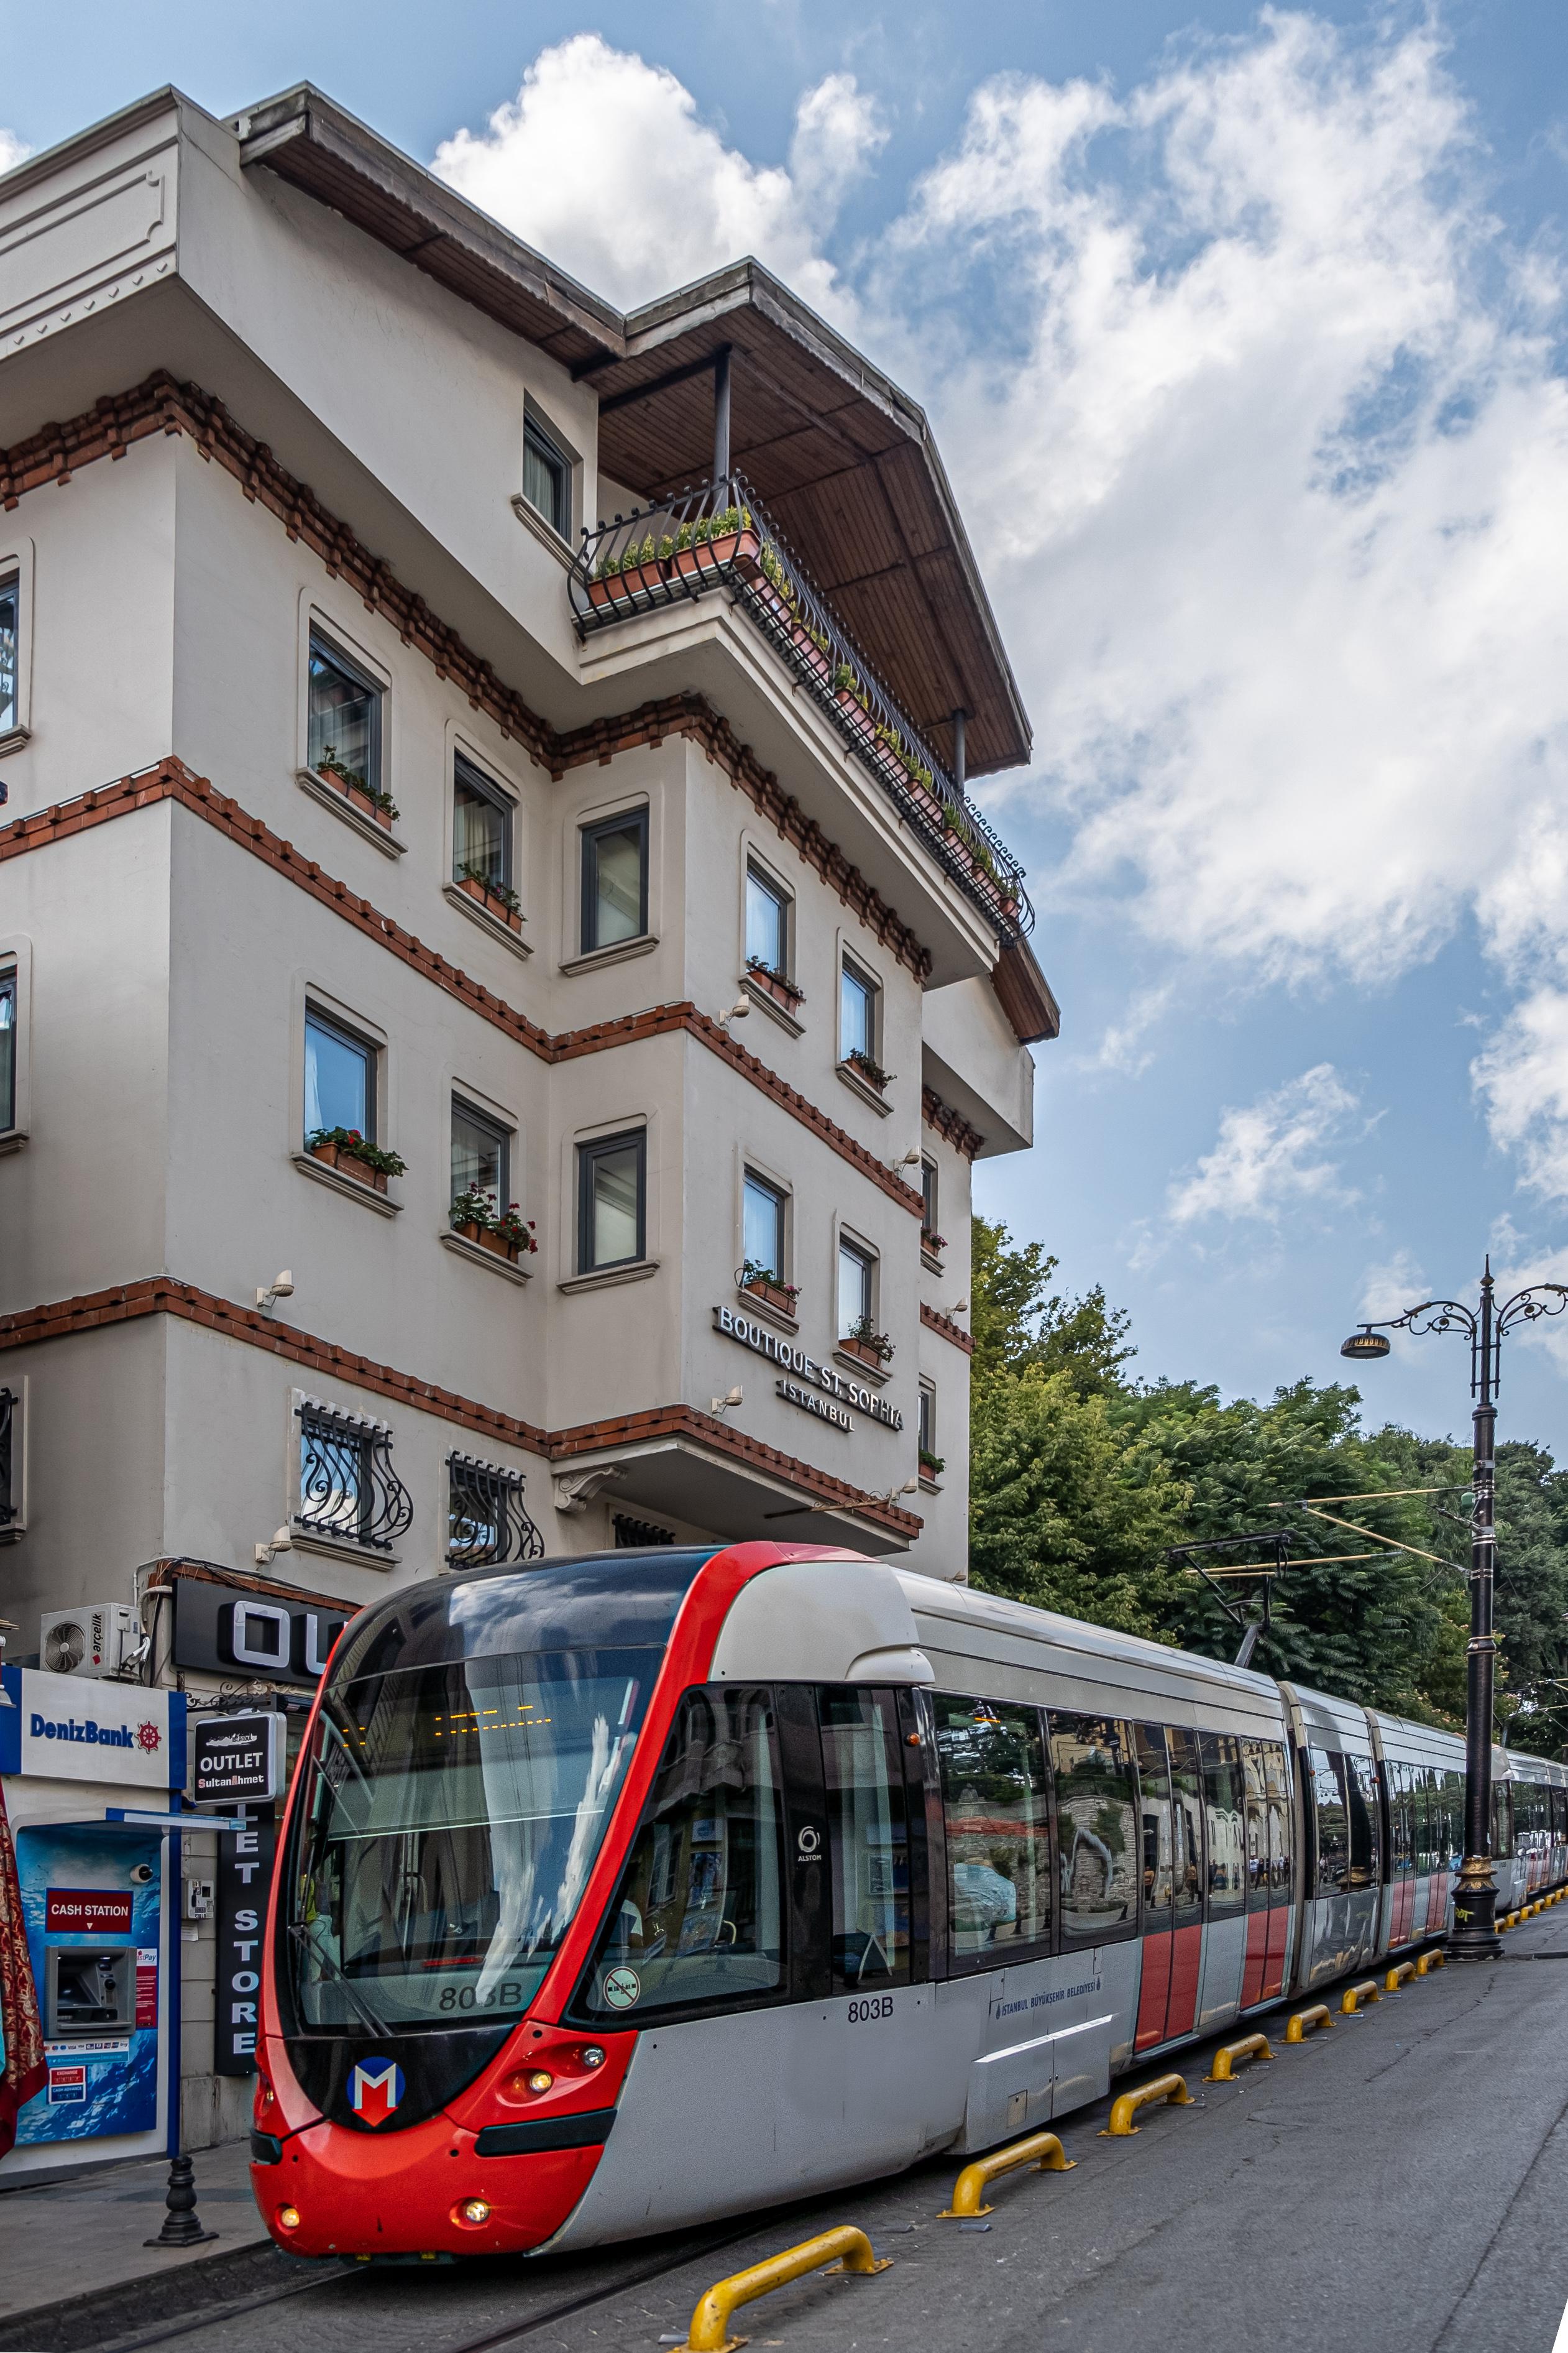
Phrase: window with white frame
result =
(10, 651)
(857, 1291)
(483, 824)
(928, 1197)
(612, 1201)
(615, 880)
(345, 715)
(546, 477)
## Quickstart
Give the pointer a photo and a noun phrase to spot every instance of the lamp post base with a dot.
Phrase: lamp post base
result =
(1474, 1935)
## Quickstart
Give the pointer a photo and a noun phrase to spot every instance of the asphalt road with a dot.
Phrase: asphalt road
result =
(1396, 2185)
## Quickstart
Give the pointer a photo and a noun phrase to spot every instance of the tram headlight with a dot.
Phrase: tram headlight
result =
(288, 2218)
(540, 2079)
(593, 2056)
(474, 2210)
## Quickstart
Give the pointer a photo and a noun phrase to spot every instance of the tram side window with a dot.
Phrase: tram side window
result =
(698, 1918)
(1400, 1779)
(1186, 1826)
(1097, 1828)
(1426, 1816)
(1277, 1813)
(1452, 1845)
(1366, 1841)
(1224, 1806)
(1253, 1766)
(996, 1806)
(868, 1837)
(1326, 1774)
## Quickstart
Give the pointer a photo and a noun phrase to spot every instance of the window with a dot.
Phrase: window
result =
(763, 1228)
(1224, 1811)
(349, 1491)
(10, 1502)
(767, 924)
(1097, 1828)
(611, 1186)
(928, 1197)
(1186, 1828)
(699, 1918)
(857, 1014)
(615, 881)
(1155, 1821)
(546, 478)
(869, 1839)
(857, 1273)
(927, 1439)
(481, 1151)
(1366, 1842)
(340, 1077)
(10, 652)
(995, 1801)
(1326, 1780)
(345, 717)
(487, 1520)
(481, 830)
(8, 1049)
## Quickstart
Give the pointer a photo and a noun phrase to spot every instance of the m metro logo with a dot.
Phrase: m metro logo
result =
(375, 2088)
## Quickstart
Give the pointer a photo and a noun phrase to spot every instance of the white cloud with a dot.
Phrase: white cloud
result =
(13, 151)
(1271, 1154)
(1389, 1289)
(1123, 1047)
(602, 161)
(1522, 1079)
(1271, 470)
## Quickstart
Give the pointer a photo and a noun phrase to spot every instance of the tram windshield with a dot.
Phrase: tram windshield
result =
(452, 1818)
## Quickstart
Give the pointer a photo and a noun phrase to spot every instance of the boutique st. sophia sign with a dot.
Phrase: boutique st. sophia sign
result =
(817, 1388)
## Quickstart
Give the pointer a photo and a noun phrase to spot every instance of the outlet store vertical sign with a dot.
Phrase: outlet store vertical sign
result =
(244, 1860)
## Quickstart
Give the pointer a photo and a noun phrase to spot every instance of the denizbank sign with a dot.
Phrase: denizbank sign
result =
(66, 1729)
(816, 1387)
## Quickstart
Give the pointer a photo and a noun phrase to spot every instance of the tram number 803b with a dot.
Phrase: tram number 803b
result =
(877, 2006)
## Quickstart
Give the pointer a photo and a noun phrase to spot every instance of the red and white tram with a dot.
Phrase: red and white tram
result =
(629, 1891)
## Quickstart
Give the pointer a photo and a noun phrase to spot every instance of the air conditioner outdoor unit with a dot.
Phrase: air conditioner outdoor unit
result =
(95, 1639)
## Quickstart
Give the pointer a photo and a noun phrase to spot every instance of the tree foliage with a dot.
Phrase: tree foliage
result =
(1081, 1477)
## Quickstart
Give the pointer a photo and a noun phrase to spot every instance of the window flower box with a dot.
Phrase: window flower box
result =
(499, 902)
(714, 541)
(867, 1346)
(871, 1071)
(762, 1283)
(474, 1218)
(782, 990)
(346, 1150)
(813, 650)
(353, 788)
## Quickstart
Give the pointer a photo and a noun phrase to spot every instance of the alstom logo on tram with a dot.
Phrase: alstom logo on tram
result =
(591, 1867)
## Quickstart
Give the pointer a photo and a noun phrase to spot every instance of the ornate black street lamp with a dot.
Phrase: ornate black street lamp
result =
(1475, 1937)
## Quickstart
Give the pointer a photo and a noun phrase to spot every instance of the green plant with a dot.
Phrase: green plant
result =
(769, 971)
(329, 764)
(350, 1140)
(934, 1465)
(476, 1207)
(866, 1331)
(869, 1068)
(502, 891)
(472, 1207)
(752, 1273)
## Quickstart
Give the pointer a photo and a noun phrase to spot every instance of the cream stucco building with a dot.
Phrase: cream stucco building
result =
(360, 783)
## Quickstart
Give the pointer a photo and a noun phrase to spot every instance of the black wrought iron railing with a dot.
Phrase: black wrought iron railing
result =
(719, 537)
(349, 1491)
(489, 1521)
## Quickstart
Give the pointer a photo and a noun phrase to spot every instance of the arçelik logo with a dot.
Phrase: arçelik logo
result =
(375, 2088)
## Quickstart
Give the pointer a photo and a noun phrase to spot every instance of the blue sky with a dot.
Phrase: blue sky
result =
(1242, 335)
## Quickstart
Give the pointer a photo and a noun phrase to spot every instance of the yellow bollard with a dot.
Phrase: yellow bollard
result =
(1356, 1994)
(1252, 2046)
(1172, 2088)
(709, 2330)
(1397, 1975)
(976, 2179)
(1435, 1959)
(1303, 2020)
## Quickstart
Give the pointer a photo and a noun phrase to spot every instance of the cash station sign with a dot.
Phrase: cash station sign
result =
(818, 1389)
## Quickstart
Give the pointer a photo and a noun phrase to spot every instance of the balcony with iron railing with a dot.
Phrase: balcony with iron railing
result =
(718, 537)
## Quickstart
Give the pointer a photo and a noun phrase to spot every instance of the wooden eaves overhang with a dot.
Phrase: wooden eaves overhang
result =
(843, 461)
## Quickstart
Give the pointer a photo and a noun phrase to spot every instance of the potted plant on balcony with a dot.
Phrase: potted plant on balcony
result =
(345, 1149)
(473, 1215)
(764, 1284)
(853, 701)
(640, 566)
(865, 1342)
(369, 797)
(778, 985)
(710, 542)
(813, 646)
(932, 1244)
(497, 899)
(867, 1066)
(931, 1466)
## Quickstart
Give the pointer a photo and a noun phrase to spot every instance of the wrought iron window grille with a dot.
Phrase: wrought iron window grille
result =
(488, 1520)
(8, 1530)
(635, 1536)
(349, 1491)
(718, 535)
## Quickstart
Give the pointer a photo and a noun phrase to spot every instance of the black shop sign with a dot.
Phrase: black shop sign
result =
(230, 1633)
(244, 1881)
(236, 1757)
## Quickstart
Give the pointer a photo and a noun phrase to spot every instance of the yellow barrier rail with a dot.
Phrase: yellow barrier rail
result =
(1303, 2020)
(1435, 1959)
(709, 2330)
(1172, 2088)
(1397, 1975)
(976, 2179)
(1252, 2046)
(1354, 1996)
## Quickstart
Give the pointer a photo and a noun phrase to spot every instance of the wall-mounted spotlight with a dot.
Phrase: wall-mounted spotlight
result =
(280, 1541)
(281, 1287)
(721, 1404)
(736, 1012)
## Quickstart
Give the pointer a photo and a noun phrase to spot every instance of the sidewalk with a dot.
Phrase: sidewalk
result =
(69, 2238)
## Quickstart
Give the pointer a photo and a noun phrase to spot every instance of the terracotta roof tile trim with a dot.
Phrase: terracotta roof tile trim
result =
(935, 1321)
(164, 1295)
(171, 780)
